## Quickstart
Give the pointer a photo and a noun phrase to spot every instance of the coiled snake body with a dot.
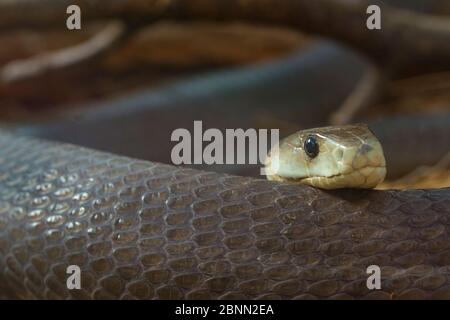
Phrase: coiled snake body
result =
(144, 230)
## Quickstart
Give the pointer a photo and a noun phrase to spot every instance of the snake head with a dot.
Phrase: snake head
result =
(329, 158)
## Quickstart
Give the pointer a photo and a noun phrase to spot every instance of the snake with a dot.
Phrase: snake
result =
(139, 229)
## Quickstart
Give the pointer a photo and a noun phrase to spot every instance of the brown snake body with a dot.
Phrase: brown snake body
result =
(145, 230)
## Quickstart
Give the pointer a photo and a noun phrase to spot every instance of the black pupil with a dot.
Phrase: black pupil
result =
(311, 147)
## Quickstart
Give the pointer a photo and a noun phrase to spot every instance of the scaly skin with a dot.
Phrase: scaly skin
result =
(151, 231)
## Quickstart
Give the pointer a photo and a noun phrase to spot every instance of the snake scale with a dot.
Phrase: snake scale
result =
(145, 230)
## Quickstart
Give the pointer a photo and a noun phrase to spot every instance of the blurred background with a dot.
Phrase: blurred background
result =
(254, 68)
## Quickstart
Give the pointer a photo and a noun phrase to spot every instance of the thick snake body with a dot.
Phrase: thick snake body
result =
(144, 230)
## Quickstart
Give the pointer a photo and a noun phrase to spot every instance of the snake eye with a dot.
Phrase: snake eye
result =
(311, 147)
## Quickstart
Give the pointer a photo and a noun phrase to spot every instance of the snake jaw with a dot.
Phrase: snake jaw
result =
(350, 157)
(365, 178)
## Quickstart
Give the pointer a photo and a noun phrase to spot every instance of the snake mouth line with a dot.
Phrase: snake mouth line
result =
(340, 176)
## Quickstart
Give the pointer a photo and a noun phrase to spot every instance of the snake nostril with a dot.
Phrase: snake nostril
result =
(365, 148)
